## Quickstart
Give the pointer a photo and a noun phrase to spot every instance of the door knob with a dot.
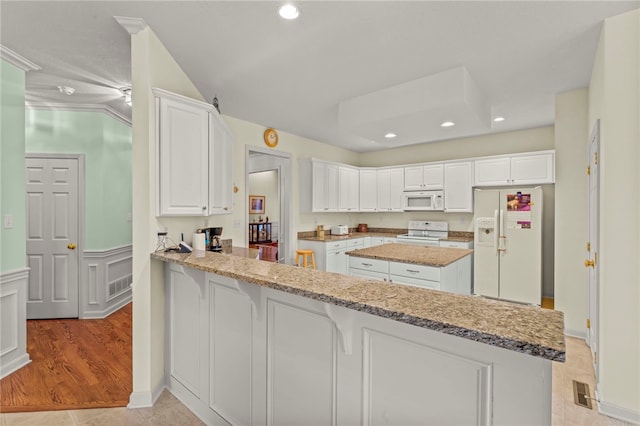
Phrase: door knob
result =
(588, 263)
(71, 246)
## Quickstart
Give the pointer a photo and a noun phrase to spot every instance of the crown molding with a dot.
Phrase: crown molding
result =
(132, 25)
(52, 106)
(17, 60)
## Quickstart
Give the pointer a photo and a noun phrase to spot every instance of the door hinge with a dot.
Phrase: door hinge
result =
(588, 323)
(588, 246)
(595, 357)
(588, 170)
(595, 157)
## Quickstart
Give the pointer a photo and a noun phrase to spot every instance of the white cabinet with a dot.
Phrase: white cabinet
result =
(457, 244)
(390, 187)
(194, 157)
(425, 176)
(375, 269)
(318, 185)
(221, 168)
(458, 187)
(368, 190)
(348, 189)
(330, 256)
(515, 170)
(378, 241)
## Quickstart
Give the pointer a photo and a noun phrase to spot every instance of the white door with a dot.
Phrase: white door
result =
(521, 259)
(593, 198)
(485, 275)
(52, 237)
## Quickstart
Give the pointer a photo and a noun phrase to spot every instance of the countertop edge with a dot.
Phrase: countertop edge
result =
(507, 343)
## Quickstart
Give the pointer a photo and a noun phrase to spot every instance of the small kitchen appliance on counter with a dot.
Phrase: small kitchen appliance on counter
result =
(212, 238)
(362, 227)
(340, 230)
(425, 233)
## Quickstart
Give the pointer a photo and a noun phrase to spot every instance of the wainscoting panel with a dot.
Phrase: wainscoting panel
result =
(105, 281)
(13, 321)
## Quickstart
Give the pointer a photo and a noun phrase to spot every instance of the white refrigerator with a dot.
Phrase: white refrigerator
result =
(508, 244)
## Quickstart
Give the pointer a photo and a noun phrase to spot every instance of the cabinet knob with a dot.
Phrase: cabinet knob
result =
(226, 208)
(204, 207)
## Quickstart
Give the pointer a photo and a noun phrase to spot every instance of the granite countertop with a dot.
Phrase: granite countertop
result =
(526, 329)
(330, 238)
(419, 255)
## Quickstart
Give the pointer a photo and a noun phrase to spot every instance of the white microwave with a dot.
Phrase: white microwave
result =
(423, 201)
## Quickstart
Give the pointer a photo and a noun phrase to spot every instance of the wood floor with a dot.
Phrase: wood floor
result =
(74, 364)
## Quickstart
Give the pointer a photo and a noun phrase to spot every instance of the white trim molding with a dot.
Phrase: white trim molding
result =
(13, 329)
(617, 412)
(132, 25)
(59, 106)
(107, 277)
(145, 399)
(17, 60)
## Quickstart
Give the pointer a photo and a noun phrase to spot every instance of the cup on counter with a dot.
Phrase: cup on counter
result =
(320, 231)
(199, 241)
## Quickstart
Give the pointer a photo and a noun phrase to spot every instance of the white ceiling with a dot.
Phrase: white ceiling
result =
(292, 75)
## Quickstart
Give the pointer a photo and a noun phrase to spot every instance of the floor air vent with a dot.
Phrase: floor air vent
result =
(581, 394)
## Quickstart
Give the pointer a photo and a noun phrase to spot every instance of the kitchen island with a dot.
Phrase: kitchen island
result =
(253, 342)
(446, 269)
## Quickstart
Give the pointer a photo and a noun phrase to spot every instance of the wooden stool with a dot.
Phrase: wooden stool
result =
(305, 255)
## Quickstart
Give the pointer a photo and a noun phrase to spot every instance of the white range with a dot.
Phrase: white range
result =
(424, 233)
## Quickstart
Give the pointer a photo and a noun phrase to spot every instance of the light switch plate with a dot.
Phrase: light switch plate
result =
(8, 221)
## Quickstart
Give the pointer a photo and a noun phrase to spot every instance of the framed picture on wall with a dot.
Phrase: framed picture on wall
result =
(256, 204)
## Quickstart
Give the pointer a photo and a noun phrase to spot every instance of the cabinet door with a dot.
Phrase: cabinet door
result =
(337, 261)
(221, 170)
(331, 193)
(348, 184)
(532, 169)
(493, 172)
(384, 190)
(413, 178)
(183, 159)
(458, 187)
(325, 179)
(368, 191)
(396, 183)
(433, 176)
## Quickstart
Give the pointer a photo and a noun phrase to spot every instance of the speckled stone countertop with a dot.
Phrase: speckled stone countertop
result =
(526, 329)
(419, 255)
(330, 238)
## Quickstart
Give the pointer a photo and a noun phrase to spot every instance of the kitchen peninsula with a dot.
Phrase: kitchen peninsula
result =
(253, 342)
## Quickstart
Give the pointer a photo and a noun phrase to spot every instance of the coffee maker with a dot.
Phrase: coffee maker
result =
(212, 238)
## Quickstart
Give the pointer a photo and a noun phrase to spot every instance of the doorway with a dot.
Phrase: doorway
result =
(53, 215)
(593, 283)
(273, 166)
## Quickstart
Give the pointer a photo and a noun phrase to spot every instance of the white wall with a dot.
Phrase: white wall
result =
(571, 135)
(614, 97)
(266, 184)
(151, 66)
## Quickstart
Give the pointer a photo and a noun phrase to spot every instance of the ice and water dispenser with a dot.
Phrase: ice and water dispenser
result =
(485, 231)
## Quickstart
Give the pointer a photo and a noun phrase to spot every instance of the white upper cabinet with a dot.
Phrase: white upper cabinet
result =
(423, 177)
(390, 187)
(324, 190)
(458, 187)
(195, 156)
(515, 170)
(349, 189)
(368, 190)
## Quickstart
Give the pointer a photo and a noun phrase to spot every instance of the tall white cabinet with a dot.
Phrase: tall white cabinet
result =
(458, 191)
(390, 187)
(194, 157)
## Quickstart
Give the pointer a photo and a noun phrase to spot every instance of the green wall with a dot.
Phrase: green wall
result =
(106, 145)
(13, 247)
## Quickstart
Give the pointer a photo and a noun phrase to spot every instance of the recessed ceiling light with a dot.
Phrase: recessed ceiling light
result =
(498, 119)
(289, 11)
(390, 135)
(448, 124)
(66, 90)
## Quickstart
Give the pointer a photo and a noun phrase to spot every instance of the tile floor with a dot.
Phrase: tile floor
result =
(169, 411)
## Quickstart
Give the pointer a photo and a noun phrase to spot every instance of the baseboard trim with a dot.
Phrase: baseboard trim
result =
(145, 399)
(620, 413)
(14, 365)
(575, 333)
(105, 313)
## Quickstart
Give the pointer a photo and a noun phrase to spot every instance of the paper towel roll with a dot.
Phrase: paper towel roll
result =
(198, 242)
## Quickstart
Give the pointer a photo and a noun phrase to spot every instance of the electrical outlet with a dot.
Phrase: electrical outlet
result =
(8, 221)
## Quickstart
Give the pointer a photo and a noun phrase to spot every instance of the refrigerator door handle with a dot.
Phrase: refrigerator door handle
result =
(502, 239)
(495, 229)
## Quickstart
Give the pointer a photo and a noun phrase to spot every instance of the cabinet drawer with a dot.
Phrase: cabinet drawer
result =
(335, 245)
(370, 275)
(420, 272)
(398, 279)
(375, 265)
(356, 243)
(457, 244)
